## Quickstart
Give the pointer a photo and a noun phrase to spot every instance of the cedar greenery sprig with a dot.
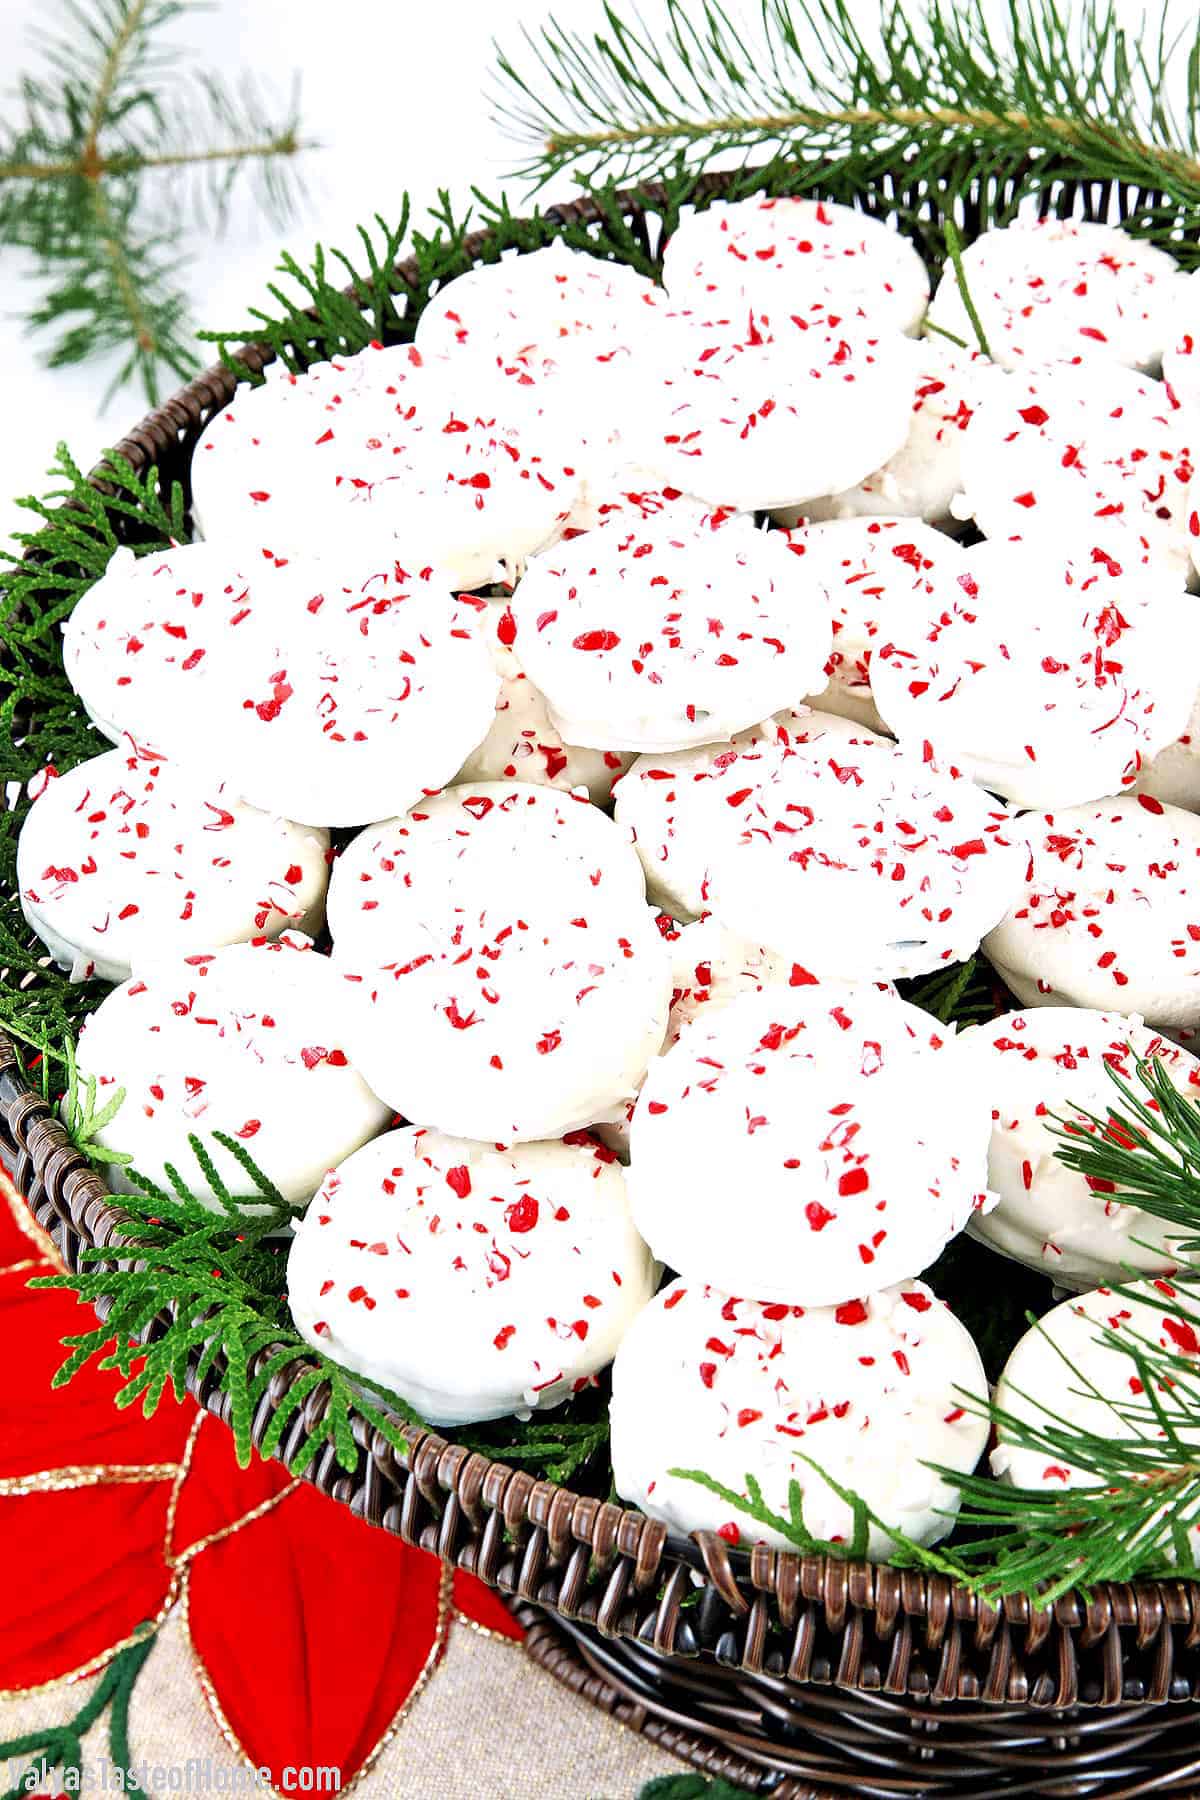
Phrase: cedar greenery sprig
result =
(938, 96)
(103, 117)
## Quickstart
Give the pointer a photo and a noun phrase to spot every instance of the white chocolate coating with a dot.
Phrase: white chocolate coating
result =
(1102, 458)
(1049, 1064)
(460, 467)
(1181, 351)
(807, 1142)
(1109, 916)
(647, 637)
(1055, 290)
(500, 845)
(510, 1028)
(1173, 776)
(862, 862)
(246, 1041)
(472, 1281)
(1047, 678)
(923, 477)
(810, 258)
(869, 567)
(872, 1391)
(148, 646)
(128, 857)
(362, 692)
(523, 743)
(751, 411)
(1081, 1380)
(672, 804)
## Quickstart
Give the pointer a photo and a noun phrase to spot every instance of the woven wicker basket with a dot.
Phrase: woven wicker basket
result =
(792, 1676)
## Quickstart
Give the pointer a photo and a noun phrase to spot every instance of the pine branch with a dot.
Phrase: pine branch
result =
(83, 182)
(939, 99)
(1146, 1149)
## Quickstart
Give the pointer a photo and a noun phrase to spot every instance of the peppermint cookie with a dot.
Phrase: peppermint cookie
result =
(810, 259)
(807, 1142)
(1109, 916)
(1049, 679)
(1173, 776)
(1104, 457)
(127, 858)
(675, 804)
(1050, 1065)
(869, 567)
(509, 1026)
(465, 470)
(923, 478)
(246, 1041)
(523, 743)
(753, 411)
(1181, 356)
(1061, 290)
(872, 1394)
(474, 1282)
(150, 643)
(647, 637)
(356, 692)
(550, 304)
(862, 862)
(491, 844)
(1068, 1374)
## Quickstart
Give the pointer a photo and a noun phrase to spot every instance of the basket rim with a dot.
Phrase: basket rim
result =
(637, 1555)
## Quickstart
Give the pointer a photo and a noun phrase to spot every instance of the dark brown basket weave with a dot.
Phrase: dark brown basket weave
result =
(794, 1676)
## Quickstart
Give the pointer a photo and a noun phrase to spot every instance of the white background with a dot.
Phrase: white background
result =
(395, 92)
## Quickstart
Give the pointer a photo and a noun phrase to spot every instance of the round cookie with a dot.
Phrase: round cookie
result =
(924, 476)
(1109, 916)
(870, 567)
(128, 857)
(648, 637)
(550, 303)
(862, 862)
(246, 1041)
(509, 1026)
(359, 691)
(523, 743)
(1173, 776)
(1066, 1374)
(1101, 457)
(462, 466)
(872, 1393)
(1181, 354)
(753, 411)
(472, 1281)
(809, 258)
(1047, 678)
(501, 845)
(1052, 1064)
(674, 804)
(1061, 290)
(807, 1143)
(148, 645)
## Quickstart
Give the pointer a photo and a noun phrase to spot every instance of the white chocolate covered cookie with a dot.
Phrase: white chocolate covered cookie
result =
(812, 259)
(1109, 915)
(649, 637)
(1042, 1067)
(246, 1041)
(128, 857)
(870, 1392)
(860, 861)
(472, 1281)
(1048, 678)
(807, 1143)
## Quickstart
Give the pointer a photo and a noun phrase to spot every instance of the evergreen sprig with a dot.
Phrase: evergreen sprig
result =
(938, 97)
(1146, 1147)
(103, 119)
